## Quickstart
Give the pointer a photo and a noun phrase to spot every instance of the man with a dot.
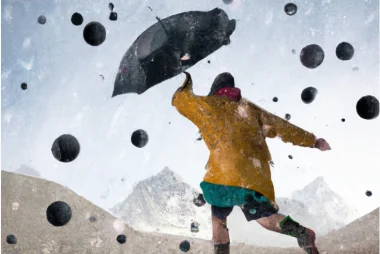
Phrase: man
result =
(238, 170)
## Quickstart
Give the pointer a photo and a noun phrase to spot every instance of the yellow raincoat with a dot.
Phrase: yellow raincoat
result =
(235, 133)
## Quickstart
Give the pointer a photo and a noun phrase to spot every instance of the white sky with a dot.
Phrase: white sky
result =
(66, 95)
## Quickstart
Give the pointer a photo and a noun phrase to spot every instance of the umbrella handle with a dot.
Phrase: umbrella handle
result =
(187, 81)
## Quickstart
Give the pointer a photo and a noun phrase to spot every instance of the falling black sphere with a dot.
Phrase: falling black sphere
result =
(312, 56)
(139, 138)
(24, 86)
(11, 239)
(77, 19)
(194, 227)
(65, 148)
(368, 107)
(94, 33)
(344, 51)
(290, 157)
(308, 94)
(121, 239)
(275, 99)
(290, 9)
(58, 213)
(41, 19)
(343, 120)
(92, 219)
(111, 6)
(199, 201)
(184, 246)
(287, 117)
(368, 193)
(228, 1)
(208, 61)
(294, 51)
(113, 16)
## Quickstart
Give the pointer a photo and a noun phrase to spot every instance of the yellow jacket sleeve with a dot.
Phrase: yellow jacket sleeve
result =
(273, 126)
(188, 104)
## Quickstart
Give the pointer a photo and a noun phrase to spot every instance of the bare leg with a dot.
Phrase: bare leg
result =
(220, 235)
(272, 222)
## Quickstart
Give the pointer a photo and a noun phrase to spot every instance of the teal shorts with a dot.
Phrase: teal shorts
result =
(252, 202)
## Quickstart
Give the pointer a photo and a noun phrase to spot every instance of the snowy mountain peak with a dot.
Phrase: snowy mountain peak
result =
(319, 182)
(167, 174)
(319, 188)
(163, 202)
(322, 201)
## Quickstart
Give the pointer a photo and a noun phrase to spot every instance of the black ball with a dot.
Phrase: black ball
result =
(290, 157)
(275, 99)
(308, 94)
(194, 227)
(139, 138)
(199, 200)
(24, 86)
(41, 20)
(368, 193)
(92, 219)
(368, 107)
(294, 51)
(65, 148)
(290, 9)
(121, 239)
(111, 6)
(312, 56)
(343, 120)
(184, 246)
(11, 239)
(94, 33)
(228, 1)
(113, 16)
(344, 51)
(208, 61)
(58, 213)
(77, 19)
(287, 117)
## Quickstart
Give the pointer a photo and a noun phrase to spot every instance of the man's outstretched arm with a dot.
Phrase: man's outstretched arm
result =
(274, 126)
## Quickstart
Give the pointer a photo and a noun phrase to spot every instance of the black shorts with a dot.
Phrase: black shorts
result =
(251, 212)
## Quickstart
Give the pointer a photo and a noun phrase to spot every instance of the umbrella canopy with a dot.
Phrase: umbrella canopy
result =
(171, 46)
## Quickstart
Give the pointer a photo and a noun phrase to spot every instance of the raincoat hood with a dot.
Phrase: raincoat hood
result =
(223, 80)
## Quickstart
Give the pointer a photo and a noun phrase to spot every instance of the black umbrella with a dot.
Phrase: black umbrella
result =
(171, 46)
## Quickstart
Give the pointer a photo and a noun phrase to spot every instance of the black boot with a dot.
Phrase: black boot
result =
(223, 248)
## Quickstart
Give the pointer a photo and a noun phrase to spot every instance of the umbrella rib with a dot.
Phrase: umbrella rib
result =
(166, 31)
